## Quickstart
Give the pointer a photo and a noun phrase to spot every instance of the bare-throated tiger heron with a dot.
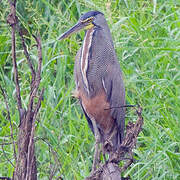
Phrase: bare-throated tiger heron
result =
(99, 82)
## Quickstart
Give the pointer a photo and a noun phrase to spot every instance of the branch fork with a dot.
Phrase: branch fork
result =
(25, 161)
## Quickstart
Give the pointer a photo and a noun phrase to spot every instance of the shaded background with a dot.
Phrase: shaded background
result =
(146, 35)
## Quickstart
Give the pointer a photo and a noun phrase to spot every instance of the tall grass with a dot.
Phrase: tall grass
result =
(146, 35)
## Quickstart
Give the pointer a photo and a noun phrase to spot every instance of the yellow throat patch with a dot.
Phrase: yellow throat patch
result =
(89, 26)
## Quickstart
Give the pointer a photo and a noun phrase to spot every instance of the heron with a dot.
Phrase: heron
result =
(99, 82)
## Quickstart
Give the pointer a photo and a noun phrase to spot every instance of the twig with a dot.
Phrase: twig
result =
(26, 161)
(128, 105)
(6, 156)
(6, 143)
(35, 84)
(10, 135)
(9, 118)
(5, 178)
(12, 20)
(55, 155)
(51, 147)
(38, 73)
(128, 163)
(27, 55)
(38, 104)
(34, 90)
(31, 141)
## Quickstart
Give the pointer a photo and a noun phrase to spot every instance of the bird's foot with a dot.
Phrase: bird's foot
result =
(107, 146)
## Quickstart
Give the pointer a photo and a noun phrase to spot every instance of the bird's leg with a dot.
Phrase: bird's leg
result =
(108, 146)
(97, 149)
(96, 156)
(104, 153)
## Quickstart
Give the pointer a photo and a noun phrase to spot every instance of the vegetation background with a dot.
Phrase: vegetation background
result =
(146, 35)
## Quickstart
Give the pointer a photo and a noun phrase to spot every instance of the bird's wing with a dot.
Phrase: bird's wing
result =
(77, 79)
(114, 88)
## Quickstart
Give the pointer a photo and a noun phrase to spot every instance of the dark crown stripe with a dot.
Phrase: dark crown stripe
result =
(90, 14)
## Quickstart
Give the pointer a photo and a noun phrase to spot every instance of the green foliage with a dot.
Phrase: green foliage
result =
(147, 40)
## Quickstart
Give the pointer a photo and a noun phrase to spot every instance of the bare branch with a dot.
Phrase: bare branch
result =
(6, 156)
(26, 160)
(12, 20)
(35, 84)
(30, 160)
(6, 143)
(27, 54)
(5, 178)
(38, 73)
(9, 118)
(55, 155)
(38, 104)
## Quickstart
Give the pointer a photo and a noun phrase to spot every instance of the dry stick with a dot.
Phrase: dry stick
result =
(31, 140)
(10, 135)
(38, 104)
(38, 73)
(54, 169)
(33, 94)
(6, 156)
(6, 143)
(34, 89)
(27, 55)
(55, 155)
(128, 163)
(37, 79)
(28, 124)
(5, 178)
(57, 164)
(9, 118)
(12, 20)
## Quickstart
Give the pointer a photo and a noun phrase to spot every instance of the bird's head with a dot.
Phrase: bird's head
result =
(86, 21)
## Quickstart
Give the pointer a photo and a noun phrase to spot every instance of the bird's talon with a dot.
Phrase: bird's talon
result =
(107, 146)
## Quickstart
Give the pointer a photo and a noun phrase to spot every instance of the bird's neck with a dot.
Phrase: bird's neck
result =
(85, 54)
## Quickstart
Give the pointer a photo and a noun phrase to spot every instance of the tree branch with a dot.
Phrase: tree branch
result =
(12, 20)
(26, 160)
(36, 82)
(6, 156)
(9, 118)
(35, 87)
(30, 160)
(5, 178)
(27, 55)
(6, 143)
(38, 73)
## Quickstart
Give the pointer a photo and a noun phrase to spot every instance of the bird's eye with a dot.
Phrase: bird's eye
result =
(87, 20)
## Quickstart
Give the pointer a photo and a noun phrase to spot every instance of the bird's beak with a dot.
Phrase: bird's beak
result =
(77, 27)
